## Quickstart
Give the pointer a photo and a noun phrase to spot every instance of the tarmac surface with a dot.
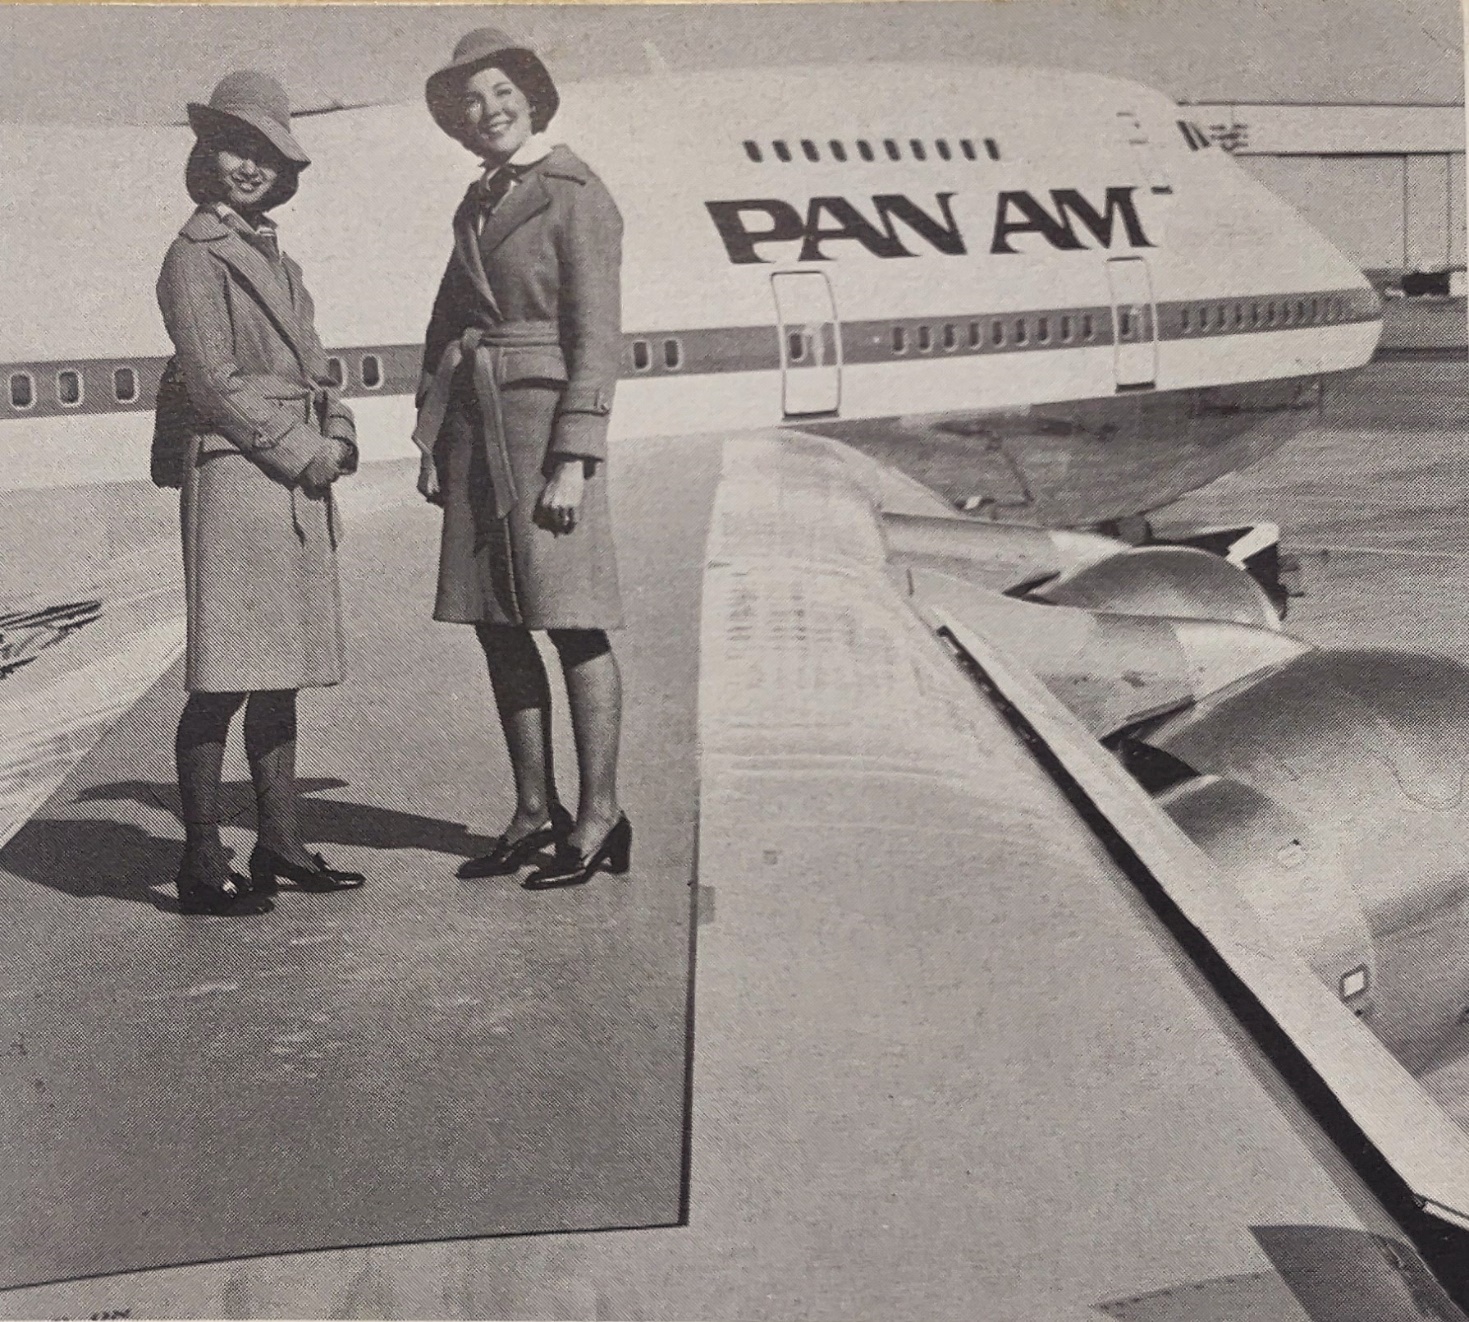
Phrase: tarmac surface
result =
(422, 1059)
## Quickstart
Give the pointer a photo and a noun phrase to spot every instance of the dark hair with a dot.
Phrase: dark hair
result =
(201, 174)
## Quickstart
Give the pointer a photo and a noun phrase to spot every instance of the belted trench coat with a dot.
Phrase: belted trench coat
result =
(260, 567)
(520, 362)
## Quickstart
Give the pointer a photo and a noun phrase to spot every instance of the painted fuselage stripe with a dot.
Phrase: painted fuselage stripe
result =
(709, 351)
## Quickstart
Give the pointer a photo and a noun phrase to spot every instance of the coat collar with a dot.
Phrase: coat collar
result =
(254, 269)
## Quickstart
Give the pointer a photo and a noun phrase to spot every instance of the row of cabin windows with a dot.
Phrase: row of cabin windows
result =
(70, 391)
(1205, 317)
(1000, 331)
(892, 149)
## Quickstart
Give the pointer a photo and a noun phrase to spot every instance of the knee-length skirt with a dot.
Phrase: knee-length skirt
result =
(260, 575)
(512, 570)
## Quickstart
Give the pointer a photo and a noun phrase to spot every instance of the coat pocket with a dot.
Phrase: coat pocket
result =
(543, 364)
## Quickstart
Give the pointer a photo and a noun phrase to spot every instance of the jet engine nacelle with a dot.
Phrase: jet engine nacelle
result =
(1174, 581)
(1334, 792)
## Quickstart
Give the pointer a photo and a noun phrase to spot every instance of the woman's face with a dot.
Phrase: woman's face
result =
(247, 173)
(496, 115)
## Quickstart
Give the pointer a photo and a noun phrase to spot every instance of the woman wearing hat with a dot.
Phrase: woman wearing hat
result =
(266, 438)
(520, 361)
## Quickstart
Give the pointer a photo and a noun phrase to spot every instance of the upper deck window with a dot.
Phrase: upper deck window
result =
(942, 147)
(838, 150)
(809, 147)
(966, 145)
(372, 371)
(864, 149)
(69, 387)
(124, 385)
(752, 150)
(782, 152)
(22, 390)
(919, 154)
(894, 152)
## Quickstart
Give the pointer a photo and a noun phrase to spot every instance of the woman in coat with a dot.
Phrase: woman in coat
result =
(520, 362)
(266, 437)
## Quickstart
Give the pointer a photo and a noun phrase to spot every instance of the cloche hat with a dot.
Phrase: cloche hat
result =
(481, 49)
(255, 99)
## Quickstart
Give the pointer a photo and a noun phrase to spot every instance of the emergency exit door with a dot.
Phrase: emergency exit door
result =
(1134, 323)
(810, 344)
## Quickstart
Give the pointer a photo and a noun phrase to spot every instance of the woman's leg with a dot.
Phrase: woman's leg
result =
(199, 753)
(270, 746)
(594, 693)
(523, 700)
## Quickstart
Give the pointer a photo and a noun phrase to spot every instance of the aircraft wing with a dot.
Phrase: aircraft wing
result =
(953, 1022)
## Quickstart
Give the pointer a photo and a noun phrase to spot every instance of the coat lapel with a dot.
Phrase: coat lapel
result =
(522, 202)
(269, 287)
(466, 248)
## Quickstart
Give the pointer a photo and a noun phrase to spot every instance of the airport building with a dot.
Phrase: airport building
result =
(1384, 182)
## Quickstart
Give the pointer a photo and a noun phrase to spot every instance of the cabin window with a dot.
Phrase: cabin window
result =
(1239, 315)
(752, 150)
(641, 359)
(1220, 316)
(1187, 321)
(925, 339)
(1341, 309)
(976, 338)
(1315, 309)
(809, 148)
(864, 149)
(838, 150)
(1088, 328)
(1020, 330)
(124, 385)
(1124, 323)
(1065, 330)
(997, 333)
(900, 340)
(966, 145)
(1300, 311)
(919, 154)
(22, 390)
(942, 147)
(69, 387)
(372, 371)
(950, 339)
(782, 152)
(993, 148)
(891, 147)
(1043, 330)
(672, 354)
(795, 346)
(335, 374)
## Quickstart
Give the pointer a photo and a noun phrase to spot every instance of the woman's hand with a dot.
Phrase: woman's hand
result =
(561, 498)
(321, 472)
(428, 480)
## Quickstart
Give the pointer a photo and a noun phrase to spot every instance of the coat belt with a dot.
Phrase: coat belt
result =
(482, 348)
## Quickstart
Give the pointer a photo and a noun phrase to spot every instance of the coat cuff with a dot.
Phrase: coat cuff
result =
(288, 457)
(579, 436)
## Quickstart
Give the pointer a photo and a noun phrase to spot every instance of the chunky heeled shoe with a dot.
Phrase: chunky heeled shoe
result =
(267, 868)
(206, 885)
(509, 856)
(571, 867)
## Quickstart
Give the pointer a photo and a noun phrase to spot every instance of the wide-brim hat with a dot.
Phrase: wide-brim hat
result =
(481, 49)
(247, 97)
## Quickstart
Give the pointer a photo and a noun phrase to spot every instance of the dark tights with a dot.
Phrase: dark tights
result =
(270, 747)
(523, 700)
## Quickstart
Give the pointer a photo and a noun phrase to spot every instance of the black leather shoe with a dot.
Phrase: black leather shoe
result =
(570, 867)
(510, 856)
(267, 867)
(206, 885)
